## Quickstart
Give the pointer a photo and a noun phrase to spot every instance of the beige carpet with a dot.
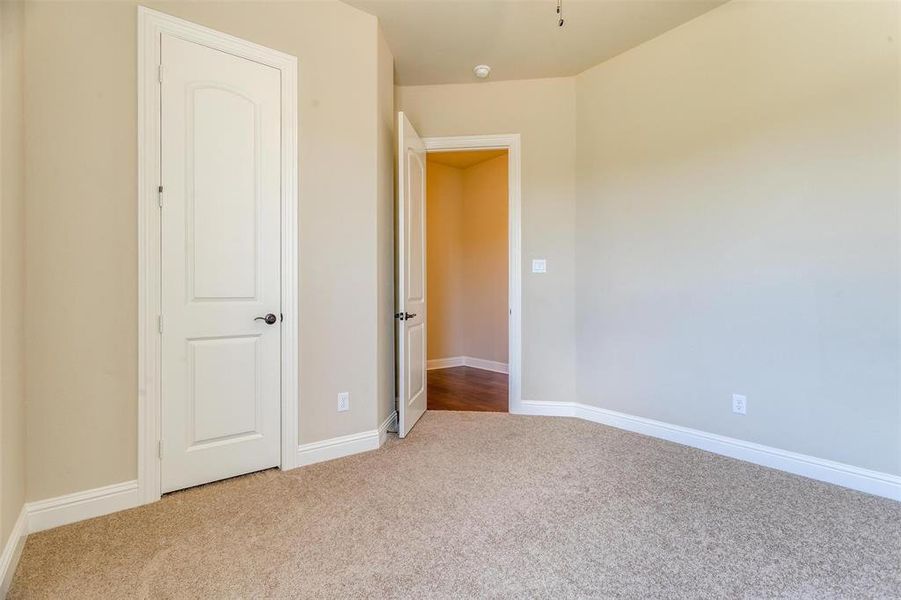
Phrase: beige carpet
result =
(487, 505)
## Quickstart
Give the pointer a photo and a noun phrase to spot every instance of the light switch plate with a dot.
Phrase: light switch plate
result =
(539, 265)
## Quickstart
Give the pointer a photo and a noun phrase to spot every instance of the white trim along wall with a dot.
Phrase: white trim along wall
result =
(54, 512)
(466, 361)
(151, 25)
(9, 558)
(46, 514)
(345, 445)
(849, 476)
(71, 508)
(510, 142)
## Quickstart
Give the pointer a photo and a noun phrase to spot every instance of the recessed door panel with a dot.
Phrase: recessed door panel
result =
(416, 372)
(224, 401)
(415, 206)
(221, 251)
(222, 194)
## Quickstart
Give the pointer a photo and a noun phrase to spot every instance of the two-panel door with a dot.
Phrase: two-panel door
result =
(220, 168)
(411, 276)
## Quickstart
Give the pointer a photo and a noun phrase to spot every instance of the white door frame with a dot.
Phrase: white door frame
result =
(151, 25)
(510, 142)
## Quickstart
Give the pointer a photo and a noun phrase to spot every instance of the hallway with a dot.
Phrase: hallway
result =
(467, 388)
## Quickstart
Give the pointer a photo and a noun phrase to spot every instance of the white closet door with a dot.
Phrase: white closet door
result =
(220, 162)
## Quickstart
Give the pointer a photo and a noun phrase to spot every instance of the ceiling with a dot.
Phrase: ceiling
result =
(440, 41)
(462, 159)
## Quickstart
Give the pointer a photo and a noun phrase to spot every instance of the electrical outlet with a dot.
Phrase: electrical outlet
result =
(739, 404)
(539, 265)
(343, 401)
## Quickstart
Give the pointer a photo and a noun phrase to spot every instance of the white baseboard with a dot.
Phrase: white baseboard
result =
(467, 361)
(545, 409)
(62, 510)
(485, 365)
(338, 447)
(54, 512)
(443, 363)
(849, 476)
(332, 448)
(389, 424)
(12, 551)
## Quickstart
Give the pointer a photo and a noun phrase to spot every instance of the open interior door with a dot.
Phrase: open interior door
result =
(410, 315)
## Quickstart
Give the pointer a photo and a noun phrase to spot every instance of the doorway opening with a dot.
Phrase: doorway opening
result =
(411, 340)
(467, 257)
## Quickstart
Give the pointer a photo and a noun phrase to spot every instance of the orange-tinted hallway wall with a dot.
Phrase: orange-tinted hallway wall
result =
(467, 255)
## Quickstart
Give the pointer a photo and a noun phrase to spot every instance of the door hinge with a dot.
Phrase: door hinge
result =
(159, 321)
(160, 74)
(160, 196)
(160, 448)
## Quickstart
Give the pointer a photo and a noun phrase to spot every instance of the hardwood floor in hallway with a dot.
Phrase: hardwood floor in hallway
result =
(467, 388)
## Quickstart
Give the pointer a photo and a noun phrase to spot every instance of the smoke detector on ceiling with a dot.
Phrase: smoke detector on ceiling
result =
(482, 71)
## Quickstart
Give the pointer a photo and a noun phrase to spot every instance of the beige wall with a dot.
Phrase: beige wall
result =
(12, 269)
(385, 229)
(81, 224)
(543, 112)
(738, 228)
(485, 263)
(444, 255)
(467, 269)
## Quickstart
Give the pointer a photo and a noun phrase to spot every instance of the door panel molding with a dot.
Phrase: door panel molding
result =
(151, 25)
(510, 142)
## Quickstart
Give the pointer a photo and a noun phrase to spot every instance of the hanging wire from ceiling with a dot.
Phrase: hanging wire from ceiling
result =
(560, 20)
